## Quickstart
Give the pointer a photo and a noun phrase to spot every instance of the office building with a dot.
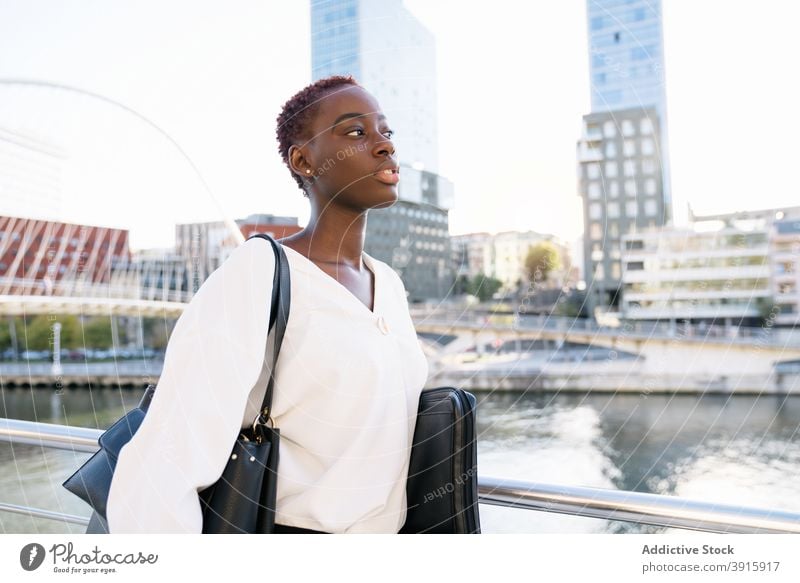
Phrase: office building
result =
(621, 187)
(737, 268)
(626, 55)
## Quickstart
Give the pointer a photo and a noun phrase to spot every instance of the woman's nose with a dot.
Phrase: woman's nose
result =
(384, 147)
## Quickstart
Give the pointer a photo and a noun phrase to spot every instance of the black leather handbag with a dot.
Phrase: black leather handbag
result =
(442, 488)
(243, 499)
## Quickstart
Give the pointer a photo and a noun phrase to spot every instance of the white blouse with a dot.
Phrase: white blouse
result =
(347, 388)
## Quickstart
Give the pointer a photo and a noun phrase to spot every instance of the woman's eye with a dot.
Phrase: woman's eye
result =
(387, 133)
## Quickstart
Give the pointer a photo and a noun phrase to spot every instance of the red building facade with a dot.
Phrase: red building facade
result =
(37, 254)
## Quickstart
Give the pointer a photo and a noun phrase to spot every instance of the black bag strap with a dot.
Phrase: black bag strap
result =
(279, 316)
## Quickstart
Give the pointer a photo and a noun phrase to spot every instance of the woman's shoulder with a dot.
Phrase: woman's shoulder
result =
(244, 279)
(253, 256)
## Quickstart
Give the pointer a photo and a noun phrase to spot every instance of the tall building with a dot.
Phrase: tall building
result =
(626, 55)
(626, 65)
(393, 56)
(621, 187)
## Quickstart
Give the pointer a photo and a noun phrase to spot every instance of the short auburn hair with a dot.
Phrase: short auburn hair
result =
(297, 113)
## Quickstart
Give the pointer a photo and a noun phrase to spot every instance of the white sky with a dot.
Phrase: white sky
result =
(513, 85)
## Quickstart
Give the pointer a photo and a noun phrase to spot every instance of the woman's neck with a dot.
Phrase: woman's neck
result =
(334, 235)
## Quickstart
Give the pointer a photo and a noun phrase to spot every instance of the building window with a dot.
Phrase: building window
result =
(594, 190)
(629, 148)
(635, 266)
(613, 189)
(646, 126)
(595, 211)
(631, 208)
(627, 128)
(595, 231)
(593, 170)
(613, 230)
(650, 207)
(599, 272)
(650, 186)
(609, 129)
(612, 209)
(615, 270)
(647, 146)
(630, 168)
(630, 187)
(597, 23)
(648, 166)
(599, 78)
(611, 169)
(611, 150)
(611, 97)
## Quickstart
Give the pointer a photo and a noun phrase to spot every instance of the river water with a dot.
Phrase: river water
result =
(729, 450)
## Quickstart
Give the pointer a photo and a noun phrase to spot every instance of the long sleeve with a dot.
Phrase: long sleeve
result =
(212, 363)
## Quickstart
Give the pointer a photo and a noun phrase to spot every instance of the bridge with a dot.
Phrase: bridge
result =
(712, 354)
(671, 356)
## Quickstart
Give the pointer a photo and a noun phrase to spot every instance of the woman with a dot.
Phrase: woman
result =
(350, 370)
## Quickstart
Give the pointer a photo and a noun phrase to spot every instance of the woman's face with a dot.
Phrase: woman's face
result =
(350, 151)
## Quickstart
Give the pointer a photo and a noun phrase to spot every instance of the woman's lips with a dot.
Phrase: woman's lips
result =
(388, 177)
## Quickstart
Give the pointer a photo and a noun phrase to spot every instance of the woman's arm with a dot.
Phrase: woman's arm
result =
(212, 362)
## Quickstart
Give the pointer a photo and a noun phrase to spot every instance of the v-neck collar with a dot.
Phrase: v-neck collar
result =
(370, 265)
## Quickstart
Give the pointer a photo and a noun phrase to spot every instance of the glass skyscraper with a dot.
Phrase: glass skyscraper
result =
(626, 55)
(335, 38)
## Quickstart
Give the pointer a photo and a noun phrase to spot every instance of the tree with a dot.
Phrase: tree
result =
(572, 304)
(461, 285)
(542, 259)
(483, 287)
(97, 333)
(156, 332)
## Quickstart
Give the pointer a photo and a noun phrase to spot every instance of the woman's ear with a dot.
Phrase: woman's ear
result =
(298, 162)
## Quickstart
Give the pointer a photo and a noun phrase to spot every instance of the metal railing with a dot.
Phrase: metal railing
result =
(651, 509)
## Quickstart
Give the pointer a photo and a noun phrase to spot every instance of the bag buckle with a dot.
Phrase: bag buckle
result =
(263, 418)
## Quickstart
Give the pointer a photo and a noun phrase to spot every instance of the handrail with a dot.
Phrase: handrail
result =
(80, 439)
(652, 509)
(40, 513)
